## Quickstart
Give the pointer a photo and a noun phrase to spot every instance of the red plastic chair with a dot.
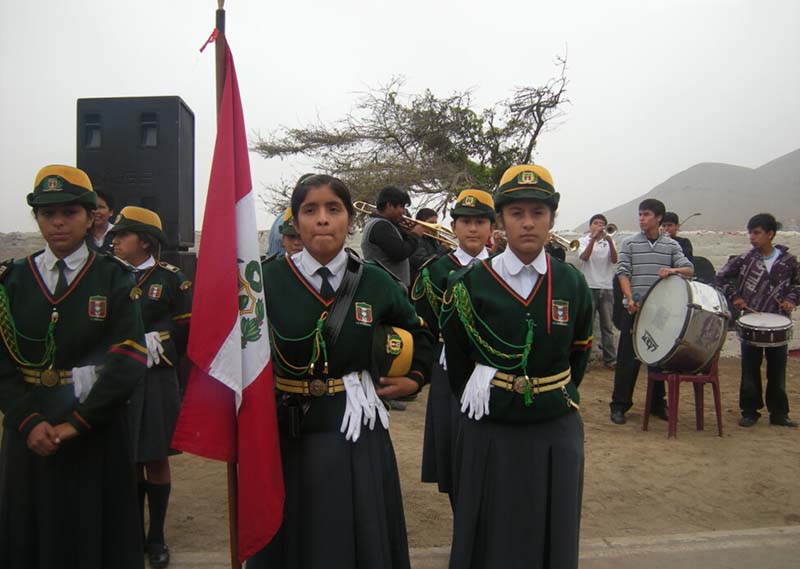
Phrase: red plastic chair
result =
(673, 391)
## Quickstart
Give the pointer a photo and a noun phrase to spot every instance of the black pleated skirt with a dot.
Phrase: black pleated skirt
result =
(153, 413)
(75, 509)
(442, 420)
(344, 508)
(518, 489)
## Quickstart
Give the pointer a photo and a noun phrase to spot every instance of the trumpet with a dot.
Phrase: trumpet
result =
(564, 243)
(432, 230)
(611, 229)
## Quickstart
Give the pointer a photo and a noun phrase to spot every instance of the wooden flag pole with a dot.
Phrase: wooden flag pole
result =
(233, 480)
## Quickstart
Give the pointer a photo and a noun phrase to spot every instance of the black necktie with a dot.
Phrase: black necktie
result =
(61, 284)
(326, 290)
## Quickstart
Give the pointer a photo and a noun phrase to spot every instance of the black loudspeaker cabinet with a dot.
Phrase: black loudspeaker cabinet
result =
(141, 151)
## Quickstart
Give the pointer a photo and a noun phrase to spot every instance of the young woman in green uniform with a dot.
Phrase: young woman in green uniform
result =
(328, 315)
(72, 354)
(473, 217)
(517, 330)
(166, 301)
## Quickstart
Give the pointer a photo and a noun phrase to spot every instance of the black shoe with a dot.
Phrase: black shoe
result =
(395, 405)
(782, 421)
(618, 417)
(158, 555)
(748, 420)
(660, 412)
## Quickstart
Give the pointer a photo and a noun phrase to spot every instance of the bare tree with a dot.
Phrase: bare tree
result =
(434, 147)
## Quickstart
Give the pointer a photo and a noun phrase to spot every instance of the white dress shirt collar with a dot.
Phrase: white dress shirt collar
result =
(147, 264)
(514, 266)
(465, 258)
(308, 267)
(74, 260)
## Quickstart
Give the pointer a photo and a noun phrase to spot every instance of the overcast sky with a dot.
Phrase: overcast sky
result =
(656, 86)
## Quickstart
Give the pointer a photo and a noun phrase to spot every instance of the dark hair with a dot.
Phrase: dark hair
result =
(598, 216)
(108, 198)
(394, 196)
(308, 183)
(88, 207)
(670, 217)
(149, 240)
(765, 221)
(654, 205)
(426, 213)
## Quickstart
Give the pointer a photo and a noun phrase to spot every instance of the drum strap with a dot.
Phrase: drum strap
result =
(344, 297)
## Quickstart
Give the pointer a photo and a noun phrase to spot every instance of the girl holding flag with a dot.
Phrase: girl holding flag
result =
(343, 336)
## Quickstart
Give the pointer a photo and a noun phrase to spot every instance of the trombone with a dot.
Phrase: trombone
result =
(564, 243)
(432, 230)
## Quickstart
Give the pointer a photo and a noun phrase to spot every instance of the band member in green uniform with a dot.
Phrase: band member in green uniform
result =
(166, 300)
(518, 331)
(72, 354)
(289, 238)
(473, 217)
(334, 358)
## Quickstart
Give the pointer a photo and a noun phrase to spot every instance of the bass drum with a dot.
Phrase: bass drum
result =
(681, 325)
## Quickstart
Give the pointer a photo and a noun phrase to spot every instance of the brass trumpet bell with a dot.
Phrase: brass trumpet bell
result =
(432, 230)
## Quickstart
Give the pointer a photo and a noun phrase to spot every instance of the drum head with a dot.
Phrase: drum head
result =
(661, 319)
(765, 320)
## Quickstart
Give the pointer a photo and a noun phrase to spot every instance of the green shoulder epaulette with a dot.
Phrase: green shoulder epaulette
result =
(5, 267)
(170, 268)
(458, 274)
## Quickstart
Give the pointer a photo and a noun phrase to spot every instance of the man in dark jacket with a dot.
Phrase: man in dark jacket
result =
(428, 246)
(385, 240)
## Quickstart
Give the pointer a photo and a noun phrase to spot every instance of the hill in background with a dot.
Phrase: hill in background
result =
(726, 195)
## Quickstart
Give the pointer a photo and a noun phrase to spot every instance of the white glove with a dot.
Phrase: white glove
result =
(375, 405)
(354, 410)
(154, 348)
(475, 399)
(443, 360)
(83, 378)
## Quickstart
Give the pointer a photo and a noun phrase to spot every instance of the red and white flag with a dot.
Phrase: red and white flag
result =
(228, 412)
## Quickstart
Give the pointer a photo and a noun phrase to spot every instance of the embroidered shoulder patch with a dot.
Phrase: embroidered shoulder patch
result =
(363, 313)
(98, 307)
(560, 312)
(154, 292)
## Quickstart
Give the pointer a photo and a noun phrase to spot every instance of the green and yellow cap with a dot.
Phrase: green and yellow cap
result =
(286, 226)
(57, 184)
(139, 220)
(392, 351)
(526, 182)
(475, 203)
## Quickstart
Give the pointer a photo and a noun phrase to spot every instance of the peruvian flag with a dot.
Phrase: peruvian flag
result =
(228, 411)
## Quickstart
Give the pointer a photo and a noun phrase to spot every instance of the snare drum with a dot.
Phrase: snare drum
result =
(764, 329)
(681, 325)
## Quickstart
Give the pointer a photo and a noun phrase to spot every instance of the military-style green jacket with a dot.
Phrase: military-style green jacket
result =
(166, 306)
(429, 287)
(99, 322)
(559, 313)
(294, 309)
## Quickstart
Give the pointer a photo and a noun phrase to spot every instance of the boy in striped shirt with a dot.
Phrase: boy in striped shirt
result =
(644, 258)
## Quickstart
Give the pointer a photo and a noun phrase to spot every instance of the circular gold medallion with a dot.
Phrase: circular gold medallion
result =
(49, 378)
(317, 387)
(519, 384)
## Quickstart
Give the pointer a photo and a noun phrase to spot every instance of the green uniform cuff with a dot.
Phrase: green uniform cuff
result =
(27, 424)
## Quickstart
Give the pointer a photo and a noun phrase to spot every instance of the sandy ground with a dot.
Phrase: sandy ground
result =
(637, 483)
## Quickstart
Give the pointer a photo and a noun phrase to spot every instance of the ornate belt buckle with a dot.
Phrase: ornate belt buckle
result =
(49, 378)
(519, 384)
(317, 387)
